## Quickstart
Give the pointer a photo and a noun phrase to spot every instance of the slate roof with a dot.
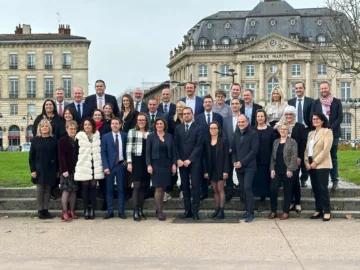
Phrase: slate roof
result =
(39, 37)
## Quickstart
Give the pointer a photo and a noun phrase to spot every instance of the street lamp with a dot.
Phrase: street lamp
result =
(231, 73)
(27, 119)
(354, 104)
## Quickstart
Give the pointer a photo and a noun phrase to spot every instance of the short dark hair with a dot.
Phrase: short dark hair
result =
(188, 108)
(303, 84)
(233, 100)
(220, 92)
(102, 113)
(325, 82)
(160, 119)
(208, 96)
(191, 83)
(237, 84)
(152, 99)
(323, 118)
(147, 122)
(100, 81)
(92, 122)
(260, 111)
(116, 119)
(249, 90)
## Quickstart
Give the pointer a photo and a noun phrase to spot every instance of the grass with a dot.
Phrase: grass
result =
(15, 172)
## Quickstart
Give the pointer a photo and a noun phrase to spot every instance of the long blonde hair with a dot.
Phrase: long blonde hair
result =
(280, 94)
(182, 103)
(42, 123)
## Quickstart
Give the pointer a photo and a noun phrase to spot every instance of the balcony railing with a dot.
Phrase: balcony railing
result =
(13, 95)
(48, 66)
(13, 66)
(30, 66)
(66, 66)
(31, 95)
(49, 95)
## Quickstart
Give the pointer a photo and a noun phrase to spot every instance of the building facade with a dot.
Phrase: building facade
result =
(32, 66)
(271, 45)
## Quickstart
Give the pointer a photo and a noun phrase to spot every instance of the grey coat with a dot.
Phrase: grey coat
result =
(290, 154)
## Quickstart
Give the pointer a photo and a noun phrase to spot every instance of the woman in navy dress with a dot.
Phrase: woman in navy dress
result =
(160, 161)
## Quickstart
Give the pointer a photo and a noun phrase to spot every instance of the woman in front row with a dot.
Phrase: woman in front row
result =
(160, 160)
(283, 165)
(216, 167)
(67, 154)
(318, 163)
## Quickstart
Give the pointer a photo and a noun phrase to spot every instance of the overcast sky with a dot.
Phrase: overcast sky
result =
(130, 40)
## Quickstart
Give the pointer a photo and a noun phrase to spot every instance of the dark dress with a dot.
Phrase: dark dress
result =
(216, 159)
(161, 176)
(261, 183)
(129, 122)
(139, 173)
(172, 126)
(213, 177)
(43, 160)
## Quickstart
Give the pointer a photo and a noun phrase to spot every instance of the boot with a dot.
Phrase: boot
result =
(220, 214)
(142, 215)
(72, 214)
(214, 215)
(86, 213)
(41, 214)
(65, 216)
(136, 215)
(47, 214)
(92, 214)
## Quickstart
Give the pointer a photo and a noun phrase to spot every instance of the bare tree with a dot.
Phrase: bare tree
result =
(341, 25)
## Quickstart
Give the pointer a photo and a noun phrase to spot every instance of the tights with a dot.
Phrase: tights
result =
(43, 196)
(68, 196)
(89, 193)
(138, 195)
(159, 199)
(219, 194)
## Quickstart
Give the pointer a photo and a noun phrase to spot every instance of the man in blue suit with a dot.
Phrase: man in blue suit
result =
(153, 113)
(82, 109)
(113, 155)
(204, 119)
(167, 108)
(192, 101)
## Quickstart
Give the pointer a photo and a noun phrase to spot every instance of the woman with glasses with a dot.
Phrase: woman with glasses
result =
(318, 163)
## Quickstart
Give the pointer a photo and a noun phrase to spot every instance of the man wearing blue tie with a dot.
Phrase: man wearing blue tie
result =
(82, 109)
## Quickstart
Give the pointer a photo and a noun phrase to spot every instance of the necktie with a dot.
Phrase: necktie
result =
(137, 106)
(78, 113)
(300, 112)
(100, 104)
(60, 109)
(186, 128)
(152, 119)
(116, 149)
(208, 118)
(165, 109)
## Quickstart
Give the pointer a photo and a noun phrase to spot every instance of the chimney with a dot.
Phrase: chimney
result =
(18, 30)
(26, 29)
(64, 29)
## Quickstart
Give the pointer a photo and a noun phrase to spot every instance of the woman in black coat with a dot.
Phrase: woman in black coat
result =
(128, 113)
(216, 166)
(43, 165)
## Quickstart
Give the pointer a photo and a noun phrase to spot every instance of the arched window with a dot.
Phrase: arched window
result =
(272, 83)
(321, 39)
(225, 41)
(346, 127)
(203, 41)
(14, 138)
(29, 134)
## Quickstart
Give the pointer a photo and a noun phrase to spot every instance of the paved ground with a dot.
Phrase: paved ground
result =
(27, 243)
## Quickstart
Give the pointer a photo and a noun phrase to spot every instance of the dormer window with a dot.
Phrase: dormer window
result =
(321, 39)
(227, 25)
(292, 22)
(253, 23)
(319, 22)
(273, 22)
(209, 25)
(203, 41)
(225, 41)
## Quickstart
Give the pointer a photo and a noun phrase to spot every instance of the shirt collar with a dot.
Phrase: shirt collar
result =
(194, 98)
(302, 98)
(103, 97)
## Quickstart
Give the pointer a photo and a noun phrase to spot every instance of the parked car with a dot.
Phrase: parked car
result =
(26, 147)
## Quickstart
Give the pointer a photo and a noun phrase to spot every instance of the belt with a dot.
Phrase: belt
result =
(121, 161)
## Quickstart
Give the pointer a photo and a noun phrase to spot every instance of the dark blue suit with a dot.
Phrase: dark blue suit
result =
(108, 156)
(86, 111)
(171, 111)
(157, 115)
(92, 102)
(199, 106)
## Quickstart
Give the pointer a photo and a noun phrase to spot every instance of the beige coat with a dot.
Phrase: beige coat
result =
(322, 147)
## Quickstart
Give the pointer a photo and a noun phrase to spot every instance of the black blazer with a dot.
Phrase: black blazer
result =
(245, 148)
(242, 110)
(153, 149)
(157, 115)
(189, 145)
(144, 107)
(129, 122)
(105, 128)
(86, 111)
(92, 102)
(222, 158)
(308, 103)
(255, 107)
(171, 111)
(298, 133)
(57, 125)
(336, 115)
(201, 120)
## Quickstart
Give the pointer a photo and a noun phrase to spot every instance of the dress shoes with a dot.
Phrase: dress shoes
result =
(108, 216)
(92, 214)
(142, 215)
(196, 216)
(72, 214)
(136, 215)
(272, 215)
(47, 214)
(86, 214)
(187, 214)
(215, 213)
(221, 214)
(250, 218)
(284, 216)
(65, 216)
(122, 216)
(41, 214)
(318, 216)
(303, 184)
(327, 219)
(335, 187)
(244, 216)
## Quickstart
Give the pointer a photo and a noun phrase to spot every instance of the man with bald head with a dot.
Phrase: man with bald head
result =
(167, 108)
(139, 104)
(82, 109)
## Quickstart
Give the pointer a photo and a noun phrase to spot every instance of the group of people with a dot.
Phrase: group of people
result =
(197, 139)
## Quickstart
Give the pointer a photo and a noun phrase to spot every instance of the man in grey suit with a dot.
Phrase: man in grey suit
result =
(229, 128)
(60, 103)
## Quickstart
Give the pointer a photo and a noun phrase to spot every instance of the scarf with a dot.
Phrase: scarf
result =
(99, 125)
(327, 102)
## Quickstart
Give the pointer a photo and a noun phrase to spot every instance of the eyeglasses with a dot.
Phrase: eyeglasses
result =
(213, 128)
(316, 119)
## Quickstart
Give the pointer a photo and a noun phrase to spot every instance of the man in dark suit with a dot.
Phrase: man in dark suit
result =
(153, 113)
(167, 108)
(303, 107)
(139, 104)
(98, 100)
(60, 103)
(332, 108)
(250, 107)
(235, 92)
(244, 150)
(192, 101)
(189, 154)
(113, 155)
(82, 109)
(229, 128)
(204, 119)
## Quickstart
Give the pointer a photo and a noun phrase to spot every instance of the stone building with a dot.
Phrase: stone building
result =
(272, 45)
(32, 66)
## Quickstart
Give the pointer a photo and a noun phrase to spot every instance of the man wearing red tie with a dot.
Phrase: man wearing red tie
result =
(60, 103)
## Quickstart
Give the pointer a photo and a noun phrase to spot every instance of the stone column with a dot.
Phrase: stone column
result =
(213, 79)
(334, 88)
(191, 74)
(310, 92)
(284, 80)
(238, 71)
(261, 90)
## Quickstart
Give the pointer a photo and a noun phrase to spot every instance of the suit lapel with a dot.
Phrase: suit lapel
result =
(318, 136)
(190, 130)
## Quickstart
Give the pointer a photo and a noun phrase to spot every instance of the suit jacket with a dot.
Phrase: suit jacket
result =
(222, 158)
(189, 145)
(201, 120)
(298, 133)
(255, 107)
(171, 111)
(157, 115)
(92, 102)
(129, 122)
(143, 105)
(244, 149)
(227, 130)
(153, 148)
(199, 106)
(336, 115)
(86, 112)
(306, 106)
(108, 150)
(321, 154)
(67, 156)
(65, 105)
(105, 128)
(242, 110)
(290, 154)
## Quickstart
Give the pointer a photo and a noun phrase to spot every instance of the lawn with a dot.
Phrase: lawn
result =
(14, 168)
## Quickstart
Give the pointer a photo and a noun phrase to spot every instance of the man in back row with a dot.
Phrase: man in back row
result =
(235, 92)
(192, 101)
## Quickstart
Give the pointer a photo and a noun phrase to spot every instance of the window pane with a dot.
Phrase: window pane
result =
(203, 90)
(67, 87)
(226, 87)
(49, 88)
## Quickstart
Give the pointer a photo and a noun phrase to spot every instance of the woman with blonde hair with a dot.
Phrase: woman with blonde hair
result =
(43, 165)
(275, 109)
(178, 117)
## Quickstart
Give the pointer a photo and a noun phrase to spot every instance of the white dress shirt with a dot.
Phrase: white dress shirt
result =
(121, 155)
(323, 107)
(191, 102)
(206, 116)
(302, 109)
(62, 106)
(98, 101)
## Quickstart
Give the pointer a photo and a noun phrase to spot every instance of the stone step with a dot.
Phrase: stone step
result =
(204, 214)
(341, 204)
(305, 192)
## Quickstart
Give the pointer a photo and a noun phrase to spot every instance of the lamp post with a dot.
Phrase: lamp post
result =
(354, 104)
(27, 122)
(231, 73)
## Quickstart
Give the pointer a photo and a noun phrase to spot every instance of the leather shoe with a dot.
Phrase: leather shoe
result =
(335, 187)
(303, 184)
(196, 216)
(187, 214)
(272, 215)
(136, 215)
(284, 216)
(327, 219)
(318, 216)
(108, 216)
(122, 215)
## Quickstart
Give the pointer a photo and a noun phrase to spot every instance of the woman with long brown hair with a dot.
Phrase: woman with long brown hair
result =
(108, 113)
(128, 113)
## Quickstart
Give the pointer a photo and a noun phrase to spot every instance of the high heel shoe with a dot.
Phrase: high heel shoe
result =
(318, 216)
(86, 213)
(298, 209)
(220, 214)
(327, 219)
(136, 215)
(92, 214)
(160, 215)
(72, 214)
(142, 215)
(65, 216)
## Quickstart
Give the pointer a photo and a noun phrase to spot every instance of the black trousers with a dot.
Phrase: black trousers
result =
(230, 181)
(245, 184)
(174, 179)
(194, 171)
(296, 190)
(274, 191)
(319, 182)
(304, 172)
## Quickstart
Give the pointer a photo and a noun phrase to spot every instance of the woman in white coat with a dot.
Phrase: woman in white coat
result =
(89, 167)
